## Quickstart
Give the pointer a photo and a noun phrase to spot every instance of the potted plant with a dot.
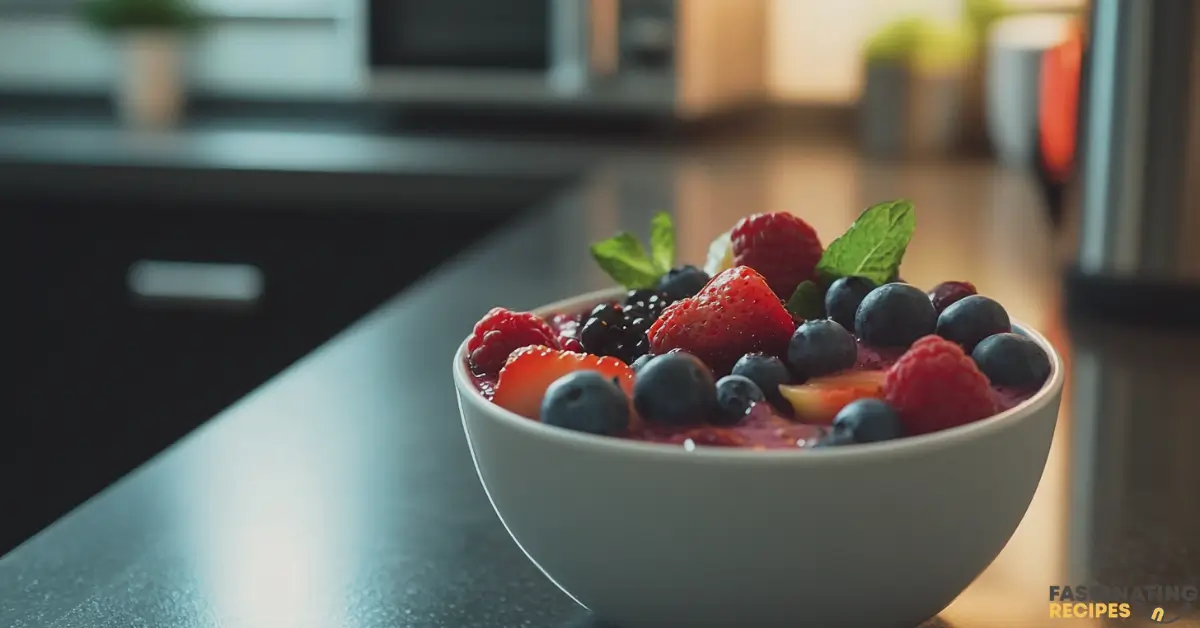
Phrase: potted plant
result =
(979, 16)
(912, 97)
(150, 36)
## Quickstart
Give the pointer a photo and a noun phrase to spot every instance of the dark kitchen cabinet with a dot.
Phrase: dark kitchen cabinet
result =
(98, 380)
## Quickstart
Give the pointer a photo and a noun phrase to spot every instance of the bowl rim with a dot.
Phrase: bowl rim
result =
(901, 447)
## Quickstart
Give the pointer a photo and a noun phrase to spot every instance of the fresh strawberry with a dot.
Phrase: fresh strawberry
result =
(781, 247)
(935, 386)
(531, 370)
(820, 399)
(500, 332)
(735, 314)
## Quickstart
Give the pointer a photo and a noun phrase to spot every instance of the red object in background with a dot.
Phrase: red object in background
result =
(1058, 110)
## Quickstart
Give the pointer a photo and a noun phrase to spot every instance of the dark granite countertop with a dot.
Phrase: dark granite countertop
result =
(341, 493)
(326, 165)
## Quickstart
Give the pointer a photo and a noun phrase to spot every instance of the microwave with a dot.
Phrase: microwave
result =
(685, 58)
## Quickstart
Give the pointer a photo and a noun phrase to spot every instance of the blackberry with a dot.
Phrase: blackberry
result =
(598, 336)
(650, 303)
(636, 323)
(641, 346)
(607, 312)
(611, 330)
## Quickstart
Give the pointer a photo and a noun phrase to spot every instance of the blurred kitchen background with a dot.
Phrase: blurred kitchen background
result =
(194, 197)
(692, 58)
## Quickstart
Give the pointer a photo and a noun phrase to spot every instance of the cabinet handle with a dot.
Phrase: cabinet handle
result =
(195, 284)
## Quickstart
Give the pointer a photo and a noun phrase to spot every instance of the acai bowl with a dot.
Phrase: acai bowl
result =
(867, 482)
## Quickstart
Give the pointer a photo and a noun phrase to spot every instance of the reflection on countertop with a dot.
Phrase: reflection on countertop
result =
(344, 488)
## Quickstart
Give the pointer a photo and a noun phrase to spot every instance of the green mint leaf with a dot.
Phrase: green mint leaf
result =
(662, 241)
(808, 301)
(874, 245)
(624, 259)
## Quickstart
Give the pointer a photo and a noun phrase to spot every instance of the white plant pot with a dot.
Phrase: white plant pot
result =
(149, 91)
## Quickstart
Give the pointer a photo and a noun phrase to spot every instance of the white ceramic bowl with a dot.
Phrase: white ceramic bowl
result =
(650, 535)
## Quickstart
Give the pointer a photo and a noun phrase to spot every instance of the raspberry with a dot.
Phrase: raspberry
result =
(781, 247)
(500, 332)
(735, 314)
(935, 386)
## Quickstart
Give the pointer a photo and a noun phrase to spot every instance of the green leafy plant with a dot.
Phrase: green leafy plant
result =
(897, 40)
(120, 15)
(922, 43)
(625, 260)
(944, 47)
(873, 247)
(981, 14)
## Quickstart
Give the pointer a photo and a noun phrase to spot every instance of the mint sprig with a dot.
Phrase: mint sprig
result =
(873, 247)
(808, 301)
(624, 259)
(662, 241)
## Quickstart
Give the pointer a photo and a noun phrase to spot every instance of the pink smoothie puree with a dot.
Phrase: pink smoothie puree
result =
(763, 427)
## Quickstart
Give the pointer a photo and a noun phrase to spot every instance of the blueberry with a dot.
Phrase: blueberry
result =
(835, 439)
(735, 396)
(586, 401)
(894, 315)
(1012, 360)
(820, 347)
(683, 282)
(640, 362)
(676, 388)
(972, 319)
(868, 421)
(768, 373)
(843, 298)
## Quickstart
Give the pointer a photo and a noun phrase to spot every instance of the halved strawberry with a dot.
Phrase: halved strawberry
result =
(820, 399)
(530, 371)
(735, 314)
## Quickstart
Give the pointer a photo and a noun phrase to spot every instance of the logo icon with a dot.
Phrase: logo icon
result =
(1158, 614)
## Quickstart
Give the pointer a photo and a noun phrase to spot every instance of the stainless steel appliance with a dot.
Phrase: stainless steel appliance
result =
(682, 57)
(1139, 201)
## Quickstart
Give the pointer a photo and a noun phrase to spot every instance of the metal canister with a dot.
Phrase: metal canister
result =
(1138, 196)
